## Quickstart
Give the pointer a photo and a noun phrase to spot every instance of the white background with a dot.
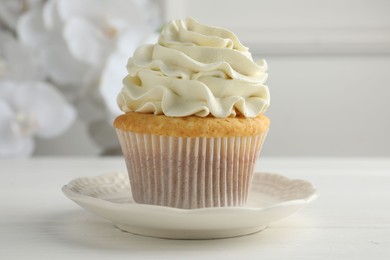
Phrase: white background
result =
(329, 73)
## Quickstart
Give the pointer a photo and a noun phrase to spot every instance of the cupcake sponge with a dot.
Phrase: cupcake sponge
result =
(191, 126)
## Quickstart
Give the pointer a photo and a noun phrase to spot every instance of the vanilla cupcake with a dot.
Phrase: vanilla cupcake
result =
(193, 125)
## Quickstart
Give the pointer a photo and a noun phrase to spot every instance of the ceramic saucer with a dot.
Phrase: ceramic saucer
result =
(272, 197)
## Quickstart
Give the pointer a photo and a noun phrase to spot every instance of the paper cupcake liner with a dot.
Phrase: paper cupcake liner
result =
(190, 173)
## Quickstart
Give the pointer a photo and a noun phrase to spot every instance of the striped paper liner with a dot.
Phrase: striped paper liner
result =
(190, 172)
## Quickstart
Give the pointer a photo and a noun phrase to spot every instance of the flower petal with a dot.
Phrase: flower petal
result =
(11, 10)
(62, 68)
(151, 12)
(51, 16)
(20, 63)
(98, 8)
(31, 30)
(86, 8)
(12, 142)
(86, 41)
(130, 40)
(111, 80)
(51, 113)
(6, 89)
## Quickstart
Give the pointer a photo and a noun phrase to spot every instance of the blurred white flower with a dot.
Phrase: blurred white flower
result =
(60, 66)
(94, 29)
(16, 61)
(76, 36)
(80, 46)
(79, 41)
(29, 109)
(28, 106)
(11, 10)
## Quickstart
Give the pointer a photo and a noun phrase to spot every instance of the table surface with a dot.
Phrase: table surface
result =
(350, 219)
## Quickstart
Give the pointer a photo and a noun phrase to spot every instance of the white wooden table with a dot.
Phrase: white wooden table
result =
(350, 220)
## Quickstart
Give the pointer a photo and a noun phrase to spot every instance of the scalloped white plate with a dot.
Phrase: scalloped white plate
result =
(272, 197)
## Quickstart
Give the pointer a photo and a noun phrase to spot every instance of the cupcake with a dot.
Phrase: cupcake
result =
(193, 123)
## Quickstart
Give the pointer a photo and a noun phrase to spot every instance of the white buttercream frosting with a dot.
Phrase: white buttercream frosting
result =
(195, 69)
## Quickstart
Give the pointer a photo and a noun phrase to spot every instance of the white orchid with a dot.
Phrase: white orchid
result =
(80, 47)
(60, 66)
(29, 107)
(17, 62)
(11, 10)
(76, 37)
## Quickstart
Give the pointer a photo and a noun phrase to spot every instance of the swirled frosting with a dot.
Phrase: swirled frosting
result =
(195, 69)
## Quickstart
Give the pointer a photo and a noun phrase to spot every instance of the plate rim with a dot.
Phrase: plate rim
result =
(76, 196)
